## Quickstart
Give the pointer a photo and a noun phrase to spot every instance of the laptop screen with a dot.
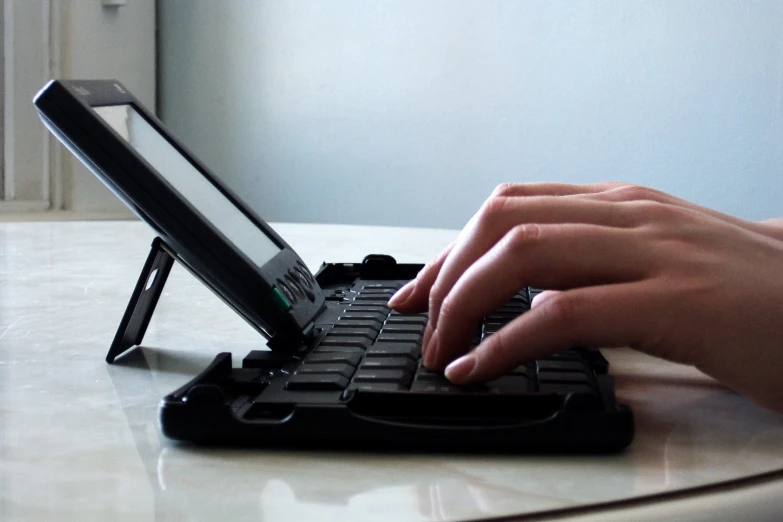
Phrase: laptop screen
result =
(191, 184)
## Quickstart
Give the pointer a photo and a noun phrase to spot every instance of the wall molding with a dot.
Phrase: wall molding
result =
(20, 207)
(29, 59)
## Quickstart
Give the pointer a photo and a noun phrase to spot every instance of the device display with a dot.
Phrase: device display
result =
(190, 183)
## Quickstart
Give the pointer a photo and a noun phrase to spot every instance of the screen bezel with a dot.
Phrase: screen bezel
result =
(66, 108)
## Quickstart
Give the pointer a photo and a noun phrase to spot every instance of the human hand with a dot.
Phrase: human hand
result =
(630, 266)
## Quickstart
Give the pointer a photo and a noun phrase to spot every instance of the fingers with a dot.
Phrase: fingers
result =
(545, 256)
(500, 215)
(543, 296)
(492, 222)
(551, 189)
(611, 315)
(412, 298)
(509, 205)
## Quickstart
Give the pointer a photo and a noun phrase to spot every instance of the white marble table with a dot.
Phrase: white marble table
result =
(79, 439)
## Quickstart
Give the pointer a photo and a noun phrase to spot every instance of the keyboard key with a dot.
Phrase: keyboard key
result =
(564, 377)
(511, 384)
(403, 329)
(254, 376)
(396, 376)
(340, 340)
(410, 350)
(346, 370)
(265, 359)
(374, 309)
(524, 369)
(427, 375)
(398, 338)
(371, 300)
(349, 331)
(396, 313)
(383, 387)
(502, 317)
(407, 319)
(561, 366)
(334, 357)
(387, 292)
(340, 349)
(372, 324)
(316, 382)
(394, 286)
(491, 328)
(388, 363)
(363, 316)
(428, 386)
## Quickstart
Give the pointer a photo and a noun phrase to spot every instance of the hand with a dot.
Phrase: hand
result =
(630, 266)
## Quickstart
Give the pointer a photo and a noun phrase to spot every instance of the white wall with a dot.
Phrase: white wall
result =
(416, 109)
(105, 42)
(66, 39)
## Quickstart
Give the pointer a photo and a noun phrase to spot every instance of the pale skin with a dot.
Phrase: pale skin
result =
(627, 266)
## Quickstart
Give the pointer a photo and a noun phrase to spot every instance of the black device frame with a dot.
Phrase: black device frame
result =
(65, 106)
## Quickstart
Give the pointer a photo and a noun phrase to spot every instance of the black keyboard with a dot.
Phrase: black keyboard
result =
(359, 383)
(371, 348)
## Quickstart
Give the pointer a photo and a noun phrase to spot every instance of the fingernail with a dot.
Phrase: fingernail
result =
(461, 369)
(432, 351)
(540, 298)
(402, 294)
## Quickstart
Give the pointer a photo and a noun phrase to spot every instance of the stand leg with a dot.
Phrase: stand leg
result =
(143, 301)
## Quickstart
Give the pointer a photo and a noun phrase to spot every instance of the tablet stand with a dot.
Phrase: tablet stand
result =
(143, 300)
(156, 271)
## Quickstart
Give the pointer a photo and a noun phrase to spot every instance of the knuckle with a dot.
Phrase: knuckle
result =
(493, 208)
(627, 192)
(504, 190)
(562, 311)
(521, 236)
(660, 212)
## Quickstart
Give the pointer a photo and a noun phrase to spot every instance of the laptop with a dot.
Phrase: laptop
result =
(340, 369)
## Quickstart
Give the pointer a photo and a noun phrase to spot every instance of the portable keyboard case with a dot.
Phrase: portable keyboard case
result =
(570, 407)
(342, 370)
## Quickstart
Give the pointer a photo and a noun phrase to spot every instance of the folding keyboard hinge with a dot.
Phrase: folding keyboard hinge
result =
(286, 342)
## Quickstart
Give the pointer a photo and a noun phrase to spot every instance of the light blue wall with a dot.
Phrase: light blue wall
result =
(415, 109)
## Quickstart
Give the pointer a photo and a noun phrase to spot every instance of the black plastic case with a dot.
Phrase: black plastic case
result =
(222, 405)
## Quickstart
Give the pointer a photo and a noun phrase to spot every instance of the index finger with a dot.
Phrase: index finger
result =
(606, 316)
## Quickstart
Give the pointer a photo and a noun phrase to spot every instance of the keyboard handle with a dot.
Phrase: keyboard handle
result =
(441, 410)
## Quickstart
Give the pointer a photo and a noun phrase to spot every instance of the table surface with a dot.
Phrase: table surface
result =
(79, 438)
